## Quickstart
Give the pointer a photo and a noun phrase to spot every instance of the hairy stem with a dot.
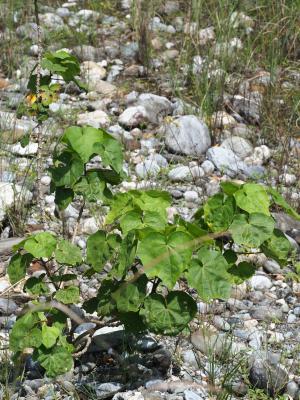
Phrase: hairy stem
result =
(39, 157)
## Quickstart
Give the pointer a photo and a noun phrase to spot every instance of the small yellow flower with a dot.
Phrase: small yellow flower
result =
(31, 98)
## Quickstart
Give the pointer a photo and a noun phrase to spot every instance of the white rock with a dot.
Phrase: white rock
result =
(157, 107)
(198, 64)
(4, 284)
(228, 47)
(9, 194)
(208, 167)
(260, 282)
(108, 337)
(197, 172)
(63, 12)
(221, 119)
(50, 199)
(133, 116)
(225, 160)
(89, 226)
(70, 212)
(51, 21)
(187, 135)
(102, 87)
(180, 173)
(261, 154)
(81, 243)
(92, 72)
(87, 15)
(239, 19)
(46, 180)
(288, 179)
(171, 212)
(97, 119)
(34, 50)
(206, 35)
(240, 146)
(159, 159)
(147, 168)
(28, 150)
(129, 395)
(191, 196)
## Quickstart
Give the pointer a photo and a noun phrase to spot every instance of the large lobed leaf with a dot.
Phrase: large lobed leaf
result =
(168, 315)
(253, 198)
(208, 275)
(165, 256)
(251, 231)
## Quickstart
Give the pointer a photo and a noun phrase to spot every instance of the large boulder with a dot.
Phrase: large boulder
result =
(187, 135)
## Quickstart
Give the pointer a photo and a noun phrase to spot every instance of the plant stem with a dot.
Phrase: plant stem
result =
(39, 157)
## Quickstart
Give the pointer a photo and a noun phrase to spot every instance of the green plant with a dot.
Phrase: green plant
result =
(143, 249)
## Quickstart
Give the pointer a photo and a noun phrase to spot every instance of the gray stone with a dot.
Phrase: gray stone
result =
(190, 359)
(84, 328)
(51, 21)
(260, 282)
(180, 173)
(241, 147)
(243, 131)
(291, 319)
(133, 116)
(108, 388)
(191, 196)
(267, 313)
(197, 172)
(9, 193)
(92, 72)
(191, 395)
(7, 306)
(159, 159)
(146, 344)
(147, 168)
(239, 388)
(29, 150)
(209, 342)
(288, 179)
(187, 135)
(293, 390)
(129, 50)
(97, 119)
(107, 337)
(88, 53)
(272, 379)
(63, 12)
(272, 266)
(220, 323)
(297, 311)
(29, 31)
(157, 107)
(208, 167)
(247, 107)
(129, 395)
(89, 226)
(285, 222)
(224, 160)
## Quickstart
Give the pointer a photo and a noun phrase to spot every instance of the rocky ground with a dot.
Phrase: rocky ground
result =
(250, 341)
